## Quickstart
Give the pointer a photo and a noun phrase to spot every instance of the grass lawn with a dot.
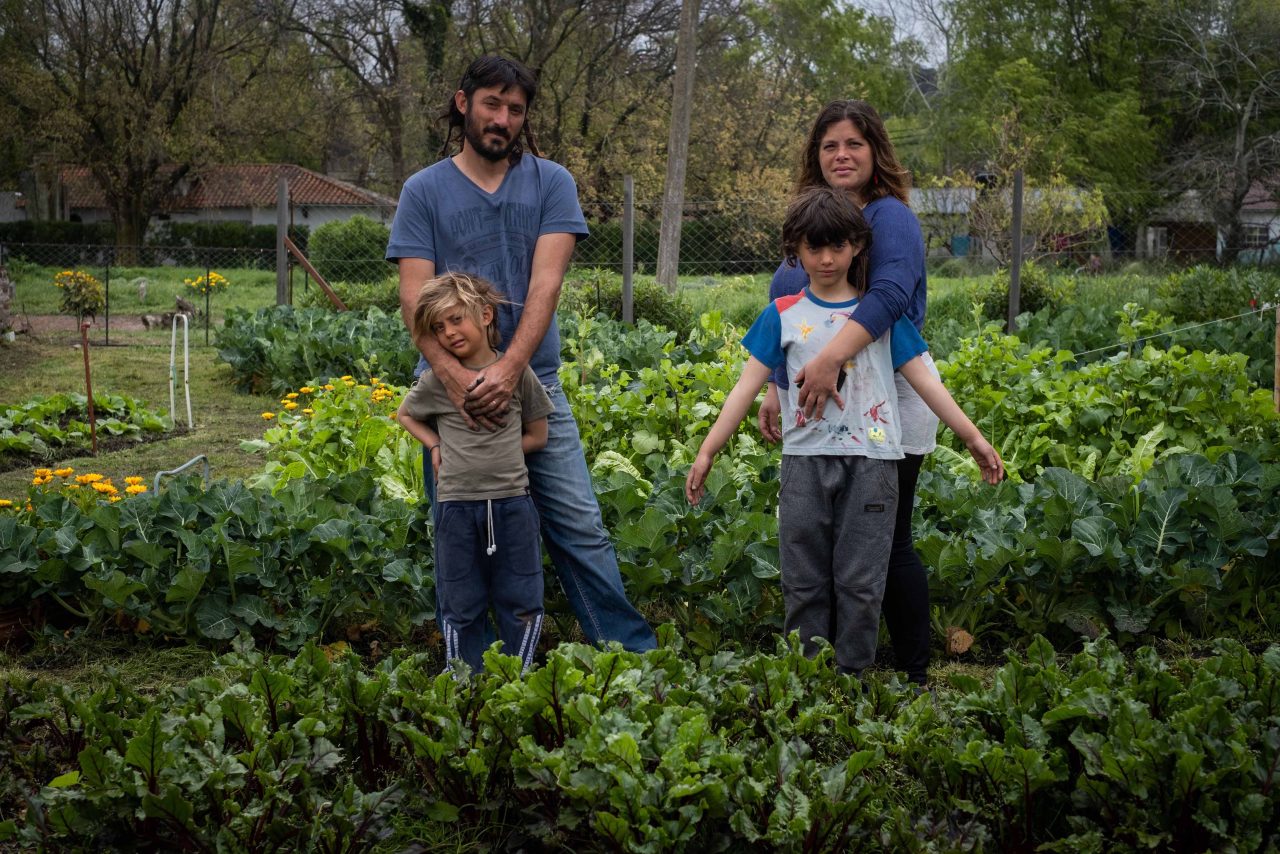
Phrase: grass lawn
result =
(247, 288)
(137, 364)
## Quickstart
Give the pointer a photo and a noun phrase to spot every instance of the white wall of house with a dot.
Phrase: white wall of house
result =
(9, 210)
(312, 216)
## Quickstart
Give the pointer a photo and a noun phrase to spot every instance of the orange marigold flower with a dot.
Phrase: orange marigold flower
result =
(43, 472)
(133, 481)
(64, 472)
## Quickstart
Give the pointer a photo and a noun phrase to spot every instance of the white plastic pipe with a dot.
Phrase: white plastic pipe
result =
(186, 370)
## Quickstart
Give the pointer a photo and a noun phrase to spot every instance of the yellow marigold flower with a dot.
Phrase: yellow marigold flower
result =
(308, 412)
(37, 481)
(73, 486)
(66, 472)
(133, 481)
(289, 404)
(346, 379)
(114, 498)
(293, 395)
(4, 502)
(43, 472)
(91, 477)
(374, 381)
(267, 416)
(306, 389)
(328, 386)
(104, 488)
(135, 489)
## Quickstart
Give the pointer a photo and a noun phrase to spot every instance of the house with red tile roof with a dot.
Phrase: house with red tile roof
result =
(235, 193)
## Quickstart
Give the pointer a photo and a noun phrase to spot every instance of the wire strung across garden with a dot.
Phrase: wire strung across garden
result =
(1258, 310)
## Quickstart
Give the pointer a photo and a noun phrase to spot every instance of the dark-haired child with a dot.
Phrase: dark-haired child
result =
(839, 488)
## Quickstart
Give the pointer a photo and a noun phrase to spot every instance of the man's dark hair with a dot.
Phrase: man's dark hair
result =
(821, 216)
(488, 72)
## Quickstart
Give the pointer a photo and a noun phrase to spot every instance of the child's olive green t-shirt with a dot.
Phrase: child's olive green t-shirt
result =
(478, 464)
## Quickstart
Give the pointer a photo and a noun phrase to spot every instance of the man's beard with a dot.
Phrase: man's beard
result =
(491, 152)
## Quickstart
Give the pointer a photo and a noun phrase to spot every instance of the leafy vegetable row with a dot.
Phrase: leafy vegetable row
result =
(57, 426)
(655, 752)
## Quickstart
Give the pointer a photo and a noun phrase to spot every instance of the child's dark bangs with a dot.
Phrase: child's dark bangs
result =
(826, 225)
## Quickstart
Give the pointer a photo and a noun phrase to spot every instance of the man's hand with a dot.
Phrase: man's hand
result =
(769, 417)
(489, 397)
(817, 383)
(457, 380)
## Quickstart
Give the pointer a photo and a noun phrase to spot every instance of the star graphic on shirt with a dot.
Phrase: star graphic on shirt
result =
(805, 329)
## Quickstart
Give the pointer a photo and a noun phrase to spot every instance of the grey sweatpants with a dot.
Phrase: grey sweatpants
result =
(835, 530)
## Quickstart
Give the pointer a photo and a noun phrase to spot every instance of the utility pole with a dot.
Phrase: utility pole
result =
(678, 146)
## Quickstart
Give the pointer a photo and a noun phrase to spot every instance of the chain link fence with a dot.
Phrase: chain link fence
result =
(966, 231)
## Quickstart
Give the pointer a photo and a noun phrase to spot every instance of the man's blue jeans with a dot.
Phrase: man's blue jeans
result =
(574, 534)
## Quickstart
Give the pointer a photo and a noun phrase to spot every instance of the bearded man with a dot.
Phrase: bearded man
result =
(500, 210)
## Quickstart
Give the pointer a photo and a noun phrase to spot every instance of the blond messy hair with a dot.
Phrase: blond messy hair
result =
(471, 293)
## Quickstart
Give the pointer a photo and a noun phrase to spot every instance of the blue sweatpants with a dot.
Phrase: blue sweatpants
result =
(488, 554)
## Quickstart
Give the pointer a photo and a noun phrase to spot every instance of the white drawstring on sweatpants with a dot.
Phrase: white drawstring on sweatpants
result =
(493, 542)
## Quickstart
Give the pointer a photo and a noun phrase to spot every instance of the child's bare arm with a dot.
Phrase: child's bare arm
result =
(424, 433)
(736, 407)
(533, 436)
(937, 398)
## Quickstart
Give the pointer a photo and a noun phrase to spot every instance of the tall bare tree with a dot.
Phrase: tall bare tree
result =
(392, 51)
(1222, 65)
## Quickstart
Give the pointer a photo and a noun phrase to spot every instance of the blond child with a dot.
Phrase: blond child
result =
(486, 527)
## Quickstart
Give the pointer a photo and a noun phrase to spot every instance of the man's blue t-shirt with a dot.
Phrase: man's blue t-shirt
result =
(445, 217)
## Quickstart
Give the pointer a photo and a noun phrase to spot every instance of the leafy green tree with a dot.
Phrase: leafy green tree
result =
(1073, 73)
(133, 88)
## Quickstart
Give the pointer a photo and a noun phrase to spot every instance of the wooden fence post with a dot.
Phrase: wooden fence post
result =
(282, 228)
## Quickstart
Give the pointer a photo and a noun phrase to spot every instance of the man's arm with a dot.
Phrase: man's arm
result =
(551, 257)
(456, 377)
